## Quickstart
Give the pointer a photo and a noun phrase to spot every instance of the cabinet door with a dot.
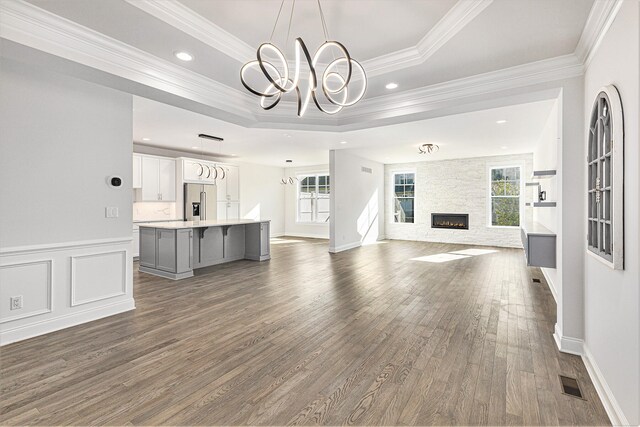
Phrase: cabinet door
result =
(233, 210)
(184, 248)
(137, 172)
(167, 180)
(148, 247)
(166, 250)
(150, 182)
(265, 244)
(234, 242)
(208, 246)
(221, 186)
(192, 171)
(233, 183)
(222, 210)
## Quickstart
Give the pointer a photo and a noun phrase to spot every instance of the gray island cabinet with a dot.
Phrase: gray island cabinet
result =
(175, 249)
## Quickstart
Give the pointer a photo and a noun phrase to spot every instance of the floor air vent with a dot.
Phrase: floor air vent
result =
(536, 280)
(570, 386)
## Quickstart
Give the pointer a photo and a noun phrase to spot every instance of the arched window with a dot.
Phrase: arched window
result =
(605, 179)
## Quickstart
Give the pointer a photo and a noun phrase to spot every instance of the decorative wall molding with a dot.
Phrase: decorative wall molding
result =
(76, 282)
(186, 20)
(48, 286)
(601, 16)
(31, 26)
(15, 250)
(106, 283)
(463, 12)
(611, 405)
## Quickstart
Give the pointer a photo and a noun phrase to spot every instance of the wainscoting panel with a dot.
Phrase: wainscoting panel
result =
(98, 276)
(63, 285)
(30, 281)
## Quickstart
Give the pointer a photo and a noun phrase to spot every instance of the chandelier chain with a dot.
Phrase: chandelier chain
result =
(293, 6)
(324, 23)
(276, 23)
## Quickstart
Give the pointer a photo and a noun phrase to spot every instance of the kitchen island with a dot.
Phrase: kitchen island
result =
(174, 249)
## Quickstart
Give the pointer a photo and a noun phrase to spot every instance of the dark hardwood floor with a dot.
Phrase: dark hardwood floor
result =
(368, 336)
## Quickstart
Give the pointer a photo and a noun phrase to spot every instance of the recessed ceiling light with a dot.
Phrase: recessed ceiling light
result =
(287, 135)
(146, 139)
(195, 147)
(184, 56)
(504, 148)
(234, 154)
(343, 142)
(391, 85)
(501, 122)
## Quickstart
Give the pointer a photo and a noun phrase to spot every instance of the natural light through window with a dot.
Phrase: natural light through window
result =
(505, 196)
(403, 196)
(313, 198)
(454, 255)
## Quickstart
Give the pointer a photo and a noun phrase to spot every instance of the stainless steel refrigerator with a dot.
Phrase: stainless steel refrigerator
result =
(200, 202)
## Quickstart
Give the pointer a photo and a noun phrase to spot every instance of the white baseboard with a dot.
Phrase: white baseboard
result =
(552, 286)
(307, 235)
(278, 234)
(568, 344)
(346, 247)
(55, 324)
(616, 416)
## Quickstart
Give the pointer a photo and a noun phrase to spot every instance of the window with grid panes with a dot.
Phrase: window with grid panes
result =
(604, 172)
(403, 196)
(313, 198)
(505, 196)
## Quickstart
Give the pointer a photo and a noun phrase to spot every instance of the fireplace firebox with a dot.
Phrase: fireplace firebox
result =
(450, 220)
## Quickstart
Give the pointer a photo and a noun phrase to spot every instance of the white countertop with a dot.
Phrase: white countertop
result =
(176, 225)
(535, 228)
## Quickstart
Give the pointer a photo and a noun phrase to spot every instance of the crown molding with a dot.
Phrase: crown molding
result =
(427, 98)
(24, 23)
(461, 14)
(188, 21)
(601, 16)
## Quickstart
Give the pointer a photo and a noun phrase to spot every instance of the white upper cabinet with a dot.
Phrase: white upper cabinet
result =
(197, 171)
(158, 179)
(228, 183)
(137, 171)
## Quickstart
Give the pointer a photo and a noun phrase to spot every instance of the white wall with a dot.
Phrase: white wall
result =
(262, 195)
(357, 197)
(292, 226)
(453, 186)
(61, 139)
(545, 157)
(612, 298)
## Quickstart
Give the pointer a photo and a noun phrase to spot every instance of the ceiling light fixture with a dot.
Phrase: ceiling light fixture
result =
(500, 122)
(146, 139)
(205, 136)
(343, 142)
(184, 56)
(289, 179)
(391, 85)
(334, 84)
(428, 148)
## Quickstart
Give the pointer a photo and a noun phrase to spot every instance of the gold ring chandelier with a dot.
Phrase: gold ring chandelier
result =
(334, 84)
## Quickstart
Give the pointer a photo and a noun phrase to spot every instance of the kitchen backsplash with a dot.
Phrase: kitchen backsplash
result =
(154, 211)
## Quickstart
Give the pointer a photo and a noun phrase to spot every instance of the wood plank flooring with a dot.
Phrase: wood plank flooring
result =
(364, 337)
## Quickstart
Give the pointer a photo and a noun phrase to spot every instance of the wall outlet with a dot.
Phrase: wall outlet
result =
(16, 302)
(111, 212)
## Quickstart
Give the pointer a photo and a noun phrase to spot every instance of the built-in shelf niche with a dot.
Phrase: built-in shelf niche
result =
(538, 175)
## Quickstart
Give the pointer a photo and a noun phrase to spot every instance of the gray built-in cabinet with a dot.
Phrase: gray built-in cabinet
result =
(539, 245)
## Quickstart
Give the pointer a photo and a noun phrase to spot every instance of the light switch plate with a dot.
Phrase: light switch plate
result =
(111, 212)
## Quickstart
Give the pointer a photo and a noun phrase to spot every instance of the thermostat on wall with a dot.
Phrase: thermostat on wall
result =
(114, 181)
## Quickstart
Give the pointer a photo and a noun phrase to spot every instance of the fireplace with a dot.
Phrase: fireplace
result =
(450, 220)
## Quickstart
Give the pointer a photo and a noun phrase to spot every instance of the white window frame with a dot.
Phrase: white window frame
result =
(617, 180)
(392, 190)
(521, 196)
(314, 212)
